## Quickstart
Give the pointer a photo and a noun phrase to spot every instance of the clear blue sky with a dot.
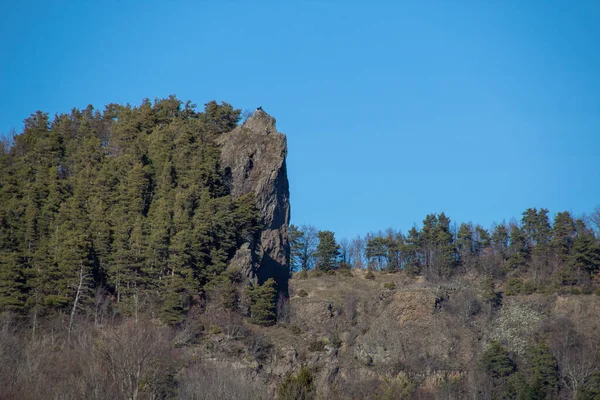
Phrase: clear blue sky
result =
(393, 110)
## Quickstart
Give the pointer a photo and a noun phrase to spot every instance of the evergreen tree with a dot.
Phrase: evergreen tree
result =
(327, 251)
(518, 249)
(585, 255)
(563, 234)
(496, 361)
(500, 240)
(262, 303)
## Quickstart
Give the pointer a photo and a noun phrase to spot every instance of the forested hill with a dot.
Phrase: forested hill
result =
(129, 204)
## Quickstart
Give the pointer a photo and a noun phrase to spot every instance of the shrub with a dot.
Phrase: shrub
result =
(346, 272)
(295, 329)
(370, 275)
(574, 291)
(528, 288)
(389, 285)
(316, 345)
(299, 386)
(317, 273)
(513, 287)
(398, 388)
(215, 330)
(335, 340)
(301, 275)
(302, 293)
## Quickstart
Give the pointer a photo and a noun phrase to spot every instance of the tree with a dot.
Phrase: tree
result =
(496, 362)
(585, 255)
(377, 251)
(327, 251)
(262, 303)
(563, 235)
(518, 249)
(303, 245)
(543, 372)
(436, 243)
(591, 389)
(465, 245)
(500, 240)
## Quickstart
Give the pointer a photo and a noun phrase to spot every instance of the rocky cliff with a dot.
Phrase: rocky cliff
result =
(253, 158)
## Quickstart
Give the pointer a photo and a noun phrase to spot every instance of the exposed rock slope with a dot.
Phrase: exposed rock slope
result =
(253, 157)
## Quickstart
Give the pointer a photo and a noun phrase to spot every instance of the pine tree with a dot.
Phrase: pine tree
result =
(327, 251)
(262, 303)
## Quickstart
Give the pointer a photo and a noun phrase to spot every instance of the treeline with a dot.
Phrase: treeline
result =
(532, 254)
(126, 207)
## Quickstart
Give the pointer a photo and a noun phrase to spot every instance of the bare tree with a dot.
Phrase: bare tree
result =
(135, 354)
(303, 243)
(577, 356)
(356, 251)
(78, 296)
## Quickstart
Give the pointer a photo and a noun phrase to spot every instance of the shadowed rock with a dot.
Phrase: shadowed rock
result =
(253, 158)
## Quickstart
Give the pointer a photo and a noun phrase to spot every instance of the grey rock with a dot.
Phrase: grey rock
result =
(253, 158)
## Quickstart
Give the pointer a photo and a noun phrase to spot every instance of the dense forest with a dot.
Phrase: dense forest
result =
(117, 232)
(127, 206)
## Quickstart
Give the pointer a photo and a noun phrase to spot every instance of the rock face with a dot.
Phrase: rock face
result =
(253, 158)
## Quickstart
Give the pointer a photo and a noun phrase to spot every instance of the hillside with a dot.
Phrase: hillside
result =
(146, 253)
(389, 337)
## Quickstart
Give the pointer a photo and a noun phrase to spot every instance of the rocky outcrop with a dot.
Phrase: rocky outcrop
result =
(253, 158)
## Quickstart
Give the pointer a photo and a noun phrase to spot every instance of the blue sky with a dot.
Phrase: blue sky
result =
(393, 110)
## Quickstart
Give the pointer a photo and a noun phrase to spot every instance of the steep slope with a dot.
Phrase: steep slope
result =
(253, 158)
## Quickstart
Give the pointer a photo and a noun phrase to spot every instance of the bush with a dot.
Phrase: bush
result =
(389, 285)
(317, 273)
(574, 291)
(301, 275)
(298, 386)
(346, 272)
(513, 287)
(335, 340)
(295, 329)
(316, 345)
(398, 388)
(302, 293)
(370, 275)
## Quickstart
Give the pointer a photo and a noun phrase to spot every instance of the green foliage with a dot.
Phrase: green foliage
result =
(398, 388)
(389, 285)
(591, 389)
(335, 340)
(370, 275)
(327, 251)
(496, 362)
(262, 303)
(299, 386)
(132, 196)
(543, 371)
(437, 246)
(316, 345)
